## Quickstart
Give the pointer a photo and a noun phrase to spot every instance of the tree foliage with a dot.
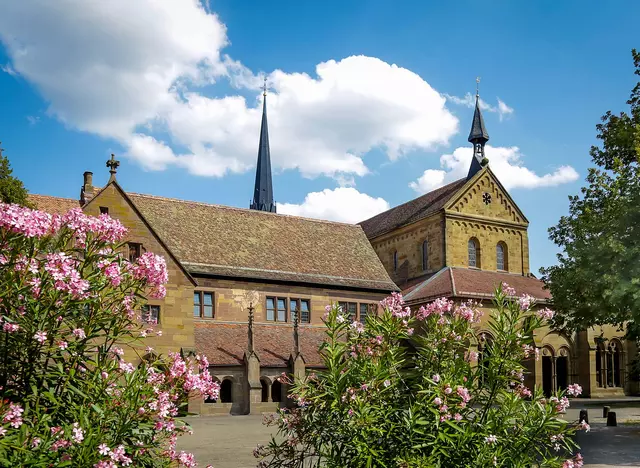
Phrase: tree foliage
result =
(389, 397)
(597, 278)
(11, 189)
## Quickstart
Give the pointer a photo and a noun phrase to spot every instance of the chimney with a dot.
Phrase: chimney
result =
(86, 191)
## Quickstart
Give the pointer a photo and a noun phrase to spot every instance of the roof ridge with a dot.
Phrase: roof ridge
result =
(52, 196)
(236, 208)
(414, 199)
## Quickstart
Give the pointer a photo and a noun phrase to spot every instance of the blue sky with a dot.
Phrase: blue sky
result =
(364, 97)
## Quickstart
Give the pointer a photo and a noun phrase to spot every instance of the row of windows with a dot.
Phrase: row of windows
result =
(475, 258)
(358, 311)
(277, 308)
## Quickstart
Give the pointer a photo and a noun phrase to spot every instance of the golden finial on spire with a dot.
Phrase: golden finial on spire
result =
(477, 86)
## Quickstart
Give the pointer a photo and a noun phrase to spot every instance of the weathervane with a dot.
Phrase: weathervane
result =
(477, 86)
(264, 87)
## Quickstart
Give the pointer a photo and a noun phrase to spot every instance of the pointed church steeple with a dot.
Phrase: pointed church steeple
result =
(478, 136)
(263, 191)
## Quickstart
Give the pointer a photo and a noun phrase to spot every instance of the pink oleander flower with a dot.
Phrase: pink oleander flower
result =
(78, 433)
(113, 274)
(3, 431)
(490, 439)
(153, 269)
(40, 337)
(11, 327)
(36, 442)
(103, 449)
(439, 307)
(463, 393)
(387, 383)
(525, 302)
(545, 314)
(104, 375)
(117, 351)
(127, 367)
(508, 290)
(437, 401)
(357, 327)
(395, 305)
(63, 345)
(585, 426)
(13, 415)
(79, 333)
(435, 378)
(574, 390)
(27, 222)
(457, 417)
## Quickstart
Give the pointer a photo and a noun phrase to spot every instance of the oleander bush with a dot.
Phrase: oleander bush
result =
(69, 308)
(405, 390)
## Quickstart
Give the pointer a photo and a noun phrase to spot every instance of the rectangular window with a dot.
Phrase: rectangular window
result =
(364, 311)
(300, 306)
(151, 314)
(203, 304)
(350, 309)
(104, 210)
(276, 309)
(135, 250)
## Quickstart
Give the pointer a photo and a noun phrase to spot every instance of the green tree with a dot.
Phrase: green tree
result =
(11, 189)
(597, 278)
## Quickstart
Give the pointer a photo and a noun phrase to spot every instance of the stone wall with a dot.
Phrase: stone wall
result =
(407, 241)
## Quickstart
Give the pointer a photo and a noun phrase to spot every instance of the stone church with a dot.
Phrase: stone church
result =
(248, 287)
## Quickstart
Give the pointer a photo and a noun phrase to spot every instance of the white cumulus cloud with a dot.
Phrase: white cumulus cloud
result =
(343, 204)
(502, 109)
(136, 71)
(505, 162)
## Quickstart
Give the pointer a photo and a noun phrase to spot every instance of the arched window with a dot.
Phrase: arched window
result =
(395, 260)
(474, 253)
(265, 390)
(501, 256)
(425, 255)
(226, 394)
(276, 391)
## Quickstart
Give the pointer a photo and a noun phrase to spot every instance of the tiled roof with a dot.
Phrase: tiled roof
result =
(411, 211)
(53, 205)
(476, 284)
(226, 241)
(226, 343)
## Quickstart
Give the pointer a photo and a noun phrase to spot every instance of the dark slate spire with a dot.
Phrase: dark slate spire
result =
(479, 137)
(263, 191)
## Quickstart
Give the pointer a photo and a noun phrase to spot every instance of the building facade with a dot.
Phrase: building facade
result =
(463, 240)
(248, 287)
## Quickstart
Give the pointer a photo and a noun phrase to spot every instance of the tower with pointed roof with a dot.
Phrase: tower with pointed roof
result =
(478, 136)
(263, 190)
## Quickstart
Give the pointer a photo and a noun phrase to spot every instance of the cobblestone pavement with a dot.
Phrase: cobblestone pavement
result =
(228, 441)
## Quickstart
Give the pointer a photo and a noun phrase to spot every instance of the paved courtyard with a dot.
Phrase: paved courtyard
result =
(228, 441)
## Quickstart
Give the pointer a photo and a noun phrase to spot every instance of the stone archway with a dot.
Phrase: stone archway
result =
(548, 370)
(563, 368)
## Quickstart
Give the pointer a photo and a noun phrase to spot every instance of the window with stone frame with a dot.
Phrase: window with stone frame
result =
(150, 314)
(276, 309)
(357, 310)
(135, 250)
(203, 304)
(301, 306)
(474, 253)
(501, 256)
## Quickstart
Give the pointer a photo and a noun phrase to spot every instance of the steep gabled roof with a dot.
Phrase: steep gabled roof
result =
(53, 205)
(456, 282)
(411, 211)
(236, 242)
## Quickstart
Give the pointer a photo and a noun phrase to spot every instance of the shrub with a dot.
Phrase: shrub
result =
(69, 304)
(406, 391)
